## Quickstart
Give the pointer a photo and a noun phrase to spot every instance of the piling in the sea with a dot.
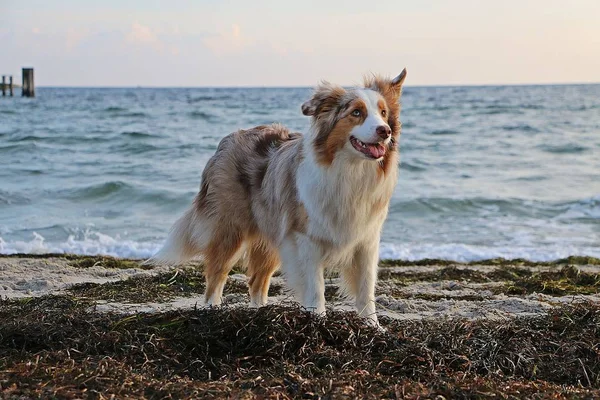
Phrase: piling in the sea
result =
(28, 88)
(9, 84)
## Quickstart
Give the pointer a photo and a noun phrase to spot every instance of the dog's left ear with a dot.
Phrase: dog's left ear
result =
(309, 107)
(324, 99)
(399, 80)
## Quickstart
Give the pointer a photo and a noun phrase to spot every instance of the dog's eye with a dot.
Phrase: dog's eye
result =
(383, 113)
(356, 113)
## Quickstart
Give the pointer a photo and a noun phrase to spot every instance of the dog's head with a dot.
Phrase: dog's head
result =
(363, 122)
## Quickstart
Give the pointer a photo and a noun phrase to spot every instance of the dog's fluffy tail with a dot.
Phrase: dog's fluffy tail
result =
(187, 239)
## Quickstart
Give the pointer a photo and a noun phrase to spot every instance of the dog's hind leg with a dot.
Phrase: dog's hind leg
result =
(222, 253)
(262, 262)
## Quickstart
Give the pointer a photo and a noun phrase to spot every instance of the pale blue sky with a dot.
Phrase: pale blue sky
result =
(297, 43)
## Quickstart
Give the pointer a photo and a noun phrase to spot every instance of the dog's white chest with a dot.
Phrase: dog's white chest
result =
(345, 204)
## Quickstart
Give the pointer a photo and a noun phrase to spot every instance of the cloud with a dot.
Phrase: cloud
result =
(74, 37)
(228, 42)
(141, 34)
(156, 39)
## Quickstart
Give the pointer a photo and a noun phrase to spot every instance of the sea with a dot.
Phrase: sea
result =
(485, 172)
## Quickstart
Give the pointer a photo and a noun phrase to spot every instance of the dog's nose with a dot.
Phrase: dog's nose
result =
(383, 131)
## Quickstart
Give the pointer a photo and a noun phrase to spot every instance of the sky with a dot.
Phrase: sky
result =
(298, 43)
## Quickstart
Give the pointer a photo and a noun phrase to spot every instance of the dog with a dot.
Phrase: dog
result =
(299, 202)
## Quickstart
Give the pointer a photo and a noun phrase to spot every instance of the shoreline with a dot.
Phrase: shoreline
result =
(399, 281)
(573, 259)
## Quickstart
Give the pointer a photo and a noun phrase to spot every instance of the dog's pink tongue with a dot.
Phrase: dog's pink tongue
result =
(376, 150)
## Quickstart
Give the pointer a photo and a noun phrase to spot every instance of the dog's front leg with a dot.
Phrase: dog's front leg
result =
(302, 266)
(360, 279)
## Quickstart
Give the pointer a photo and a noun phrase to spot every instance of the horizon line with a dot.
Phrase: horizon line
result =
(309, 87)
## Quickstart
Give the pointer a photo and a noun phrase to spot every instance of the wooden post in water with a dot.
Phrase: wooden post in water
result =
(28, 89)
(3, 87)
(10, 85)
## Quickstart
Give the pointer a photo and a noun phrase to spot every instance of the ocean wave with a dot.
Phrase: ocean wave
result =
(128, 114)
(466, 253)
(532, 106)
(407, 166)
(584, 107)
(196, 114)
(456, 206)
(198, 99)
(9, 198)
(569, 148)
(114, 109)
(496, 111)
(444, 132)
(588, 208)
(93, 243)
(33, 171)
(532, 178)
(30, 146)
(135, 114)
(28, 138)
(121, 192)
(139, 135)
(97, 191)
(134, 148)
(520, 128)
(96, 243)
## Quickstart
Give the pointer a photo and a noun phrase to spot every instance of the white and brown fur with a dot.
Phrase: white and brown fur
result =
(299, 202)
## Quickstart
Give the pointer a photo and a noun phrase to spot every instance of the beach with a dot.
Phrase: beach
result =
(74, 326)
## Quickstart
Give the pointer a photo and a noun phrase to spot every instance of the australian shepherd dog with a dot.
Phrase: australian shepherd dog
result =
(301, 203)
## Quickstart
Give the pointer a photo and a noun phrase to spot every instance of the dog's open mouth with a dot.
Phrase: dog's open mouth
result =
(371, 150)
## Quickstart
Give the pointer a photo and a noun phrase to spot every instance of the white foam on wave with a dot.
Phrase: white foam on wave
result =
(95, 243)
(466, 253)
(587, 208)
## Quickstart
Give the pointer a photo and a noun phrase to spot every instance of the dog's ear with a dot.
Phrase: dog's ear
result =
(325, 98)
(386, 86)
(399, 80)
(309, 107)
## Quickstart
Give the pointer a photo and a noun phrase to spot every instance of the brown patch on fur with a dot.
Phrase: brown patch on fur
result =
(220, 255)
(262, 262)
(391, 94)
(329, 142)
(382, 107)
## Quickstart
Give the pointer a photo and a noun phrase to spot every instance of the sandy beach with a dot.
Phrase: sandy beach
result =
(58, 310)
